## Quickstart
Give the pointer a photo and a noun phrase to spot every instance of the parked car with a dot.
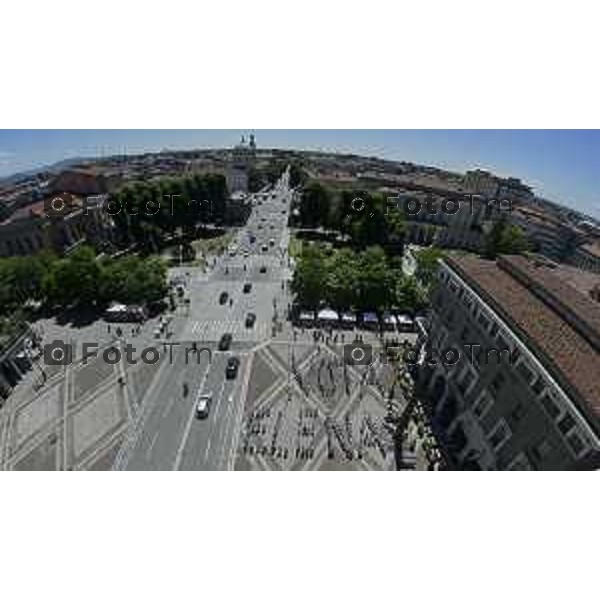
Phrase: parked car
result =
(223, 297)
(225, 342)
(263, 269)
(250, 319)
(247, 288)
(233, 364)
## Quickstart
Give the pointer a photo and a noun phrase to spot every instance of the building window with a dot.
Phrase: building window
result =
(538, 386)
(502, 343)
(577, 443)
(551, 405)
(482, 405)
(566, 424)
(468, 301)
(499, 435)
(483, 320)
(525, 372)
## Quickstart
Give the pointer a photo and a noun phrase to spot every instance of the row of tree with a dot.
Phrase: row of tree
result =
(259, 177)
(364, 217)
(367, 279)
(146, 211)
(80, 278)
(368, 219)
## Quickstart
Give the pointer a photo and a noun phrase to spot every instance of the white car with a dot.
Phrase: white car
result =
(203, 405)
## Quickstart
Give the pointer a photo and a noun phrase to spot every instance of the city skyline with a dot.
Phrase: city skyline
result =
(558, 164)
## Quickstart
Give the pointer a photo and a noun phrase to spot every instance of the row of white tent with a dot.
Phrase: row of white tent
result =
(328, 316)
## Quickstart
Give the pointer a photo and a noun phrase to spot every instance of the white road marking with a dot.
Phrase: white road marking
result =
(151, 446)
(207, 450)
(188, 426)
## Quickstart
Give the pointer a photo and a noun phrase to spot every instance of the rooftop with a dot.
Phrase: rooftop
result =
(512, 286)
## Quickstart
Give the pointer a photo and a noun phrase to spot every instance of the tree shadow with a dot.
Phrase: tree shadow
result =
(78, 315)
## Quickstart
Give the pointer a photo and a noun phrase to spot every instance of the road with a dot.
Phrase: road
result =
(167, 434)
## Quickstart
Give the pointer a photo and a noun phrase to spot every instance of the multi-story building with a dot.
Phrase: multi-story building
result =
(448, 220)
(525, 393)
(86, 181)
(489, 185)
(587, 257)
(28, 230)
(547, 234)
(242, 158)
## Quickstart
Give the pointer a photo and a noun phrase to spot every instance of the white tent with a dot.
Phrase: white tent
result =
(370, 317)
(115, 307)
(306, 315)
(326, 314)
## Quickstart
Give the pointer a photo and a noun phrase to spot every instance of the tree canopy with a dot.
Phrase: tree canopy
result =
(354, 279)
(80, 278)
(505, 238)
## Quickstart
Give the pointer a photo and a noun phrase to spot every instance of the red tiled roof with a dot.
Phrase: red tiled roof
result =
(559, 342)
(586, 309)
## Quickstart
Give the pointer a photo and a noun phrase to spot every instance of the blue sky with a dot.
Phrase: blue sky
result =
(562, 165)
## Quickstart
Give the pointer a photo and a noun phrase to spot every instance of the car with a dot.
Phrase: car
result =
(259, 226)
(247, 288)
(225, 342)
(271, 226)
(246, 254)
(233, 364)
(264, 248)
(250, 319)
(252, 238)
(203, 403)
(283, 212)
(223, 297)
(271, 242)
(263, 269)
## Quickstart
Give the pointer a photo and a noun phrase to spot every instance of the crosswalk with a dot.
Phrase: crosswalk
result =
(212, 330)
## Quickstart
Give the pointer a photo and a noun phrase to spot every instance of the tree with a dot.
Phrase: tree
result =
(341, 288)
(410, 296)
(505, 238)
(256, 180)
(376, 280)
(133, 280)
(298, 175)
(315, 205)
(309, 276)
(427, 261)
(21, 279)
(74, 279)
